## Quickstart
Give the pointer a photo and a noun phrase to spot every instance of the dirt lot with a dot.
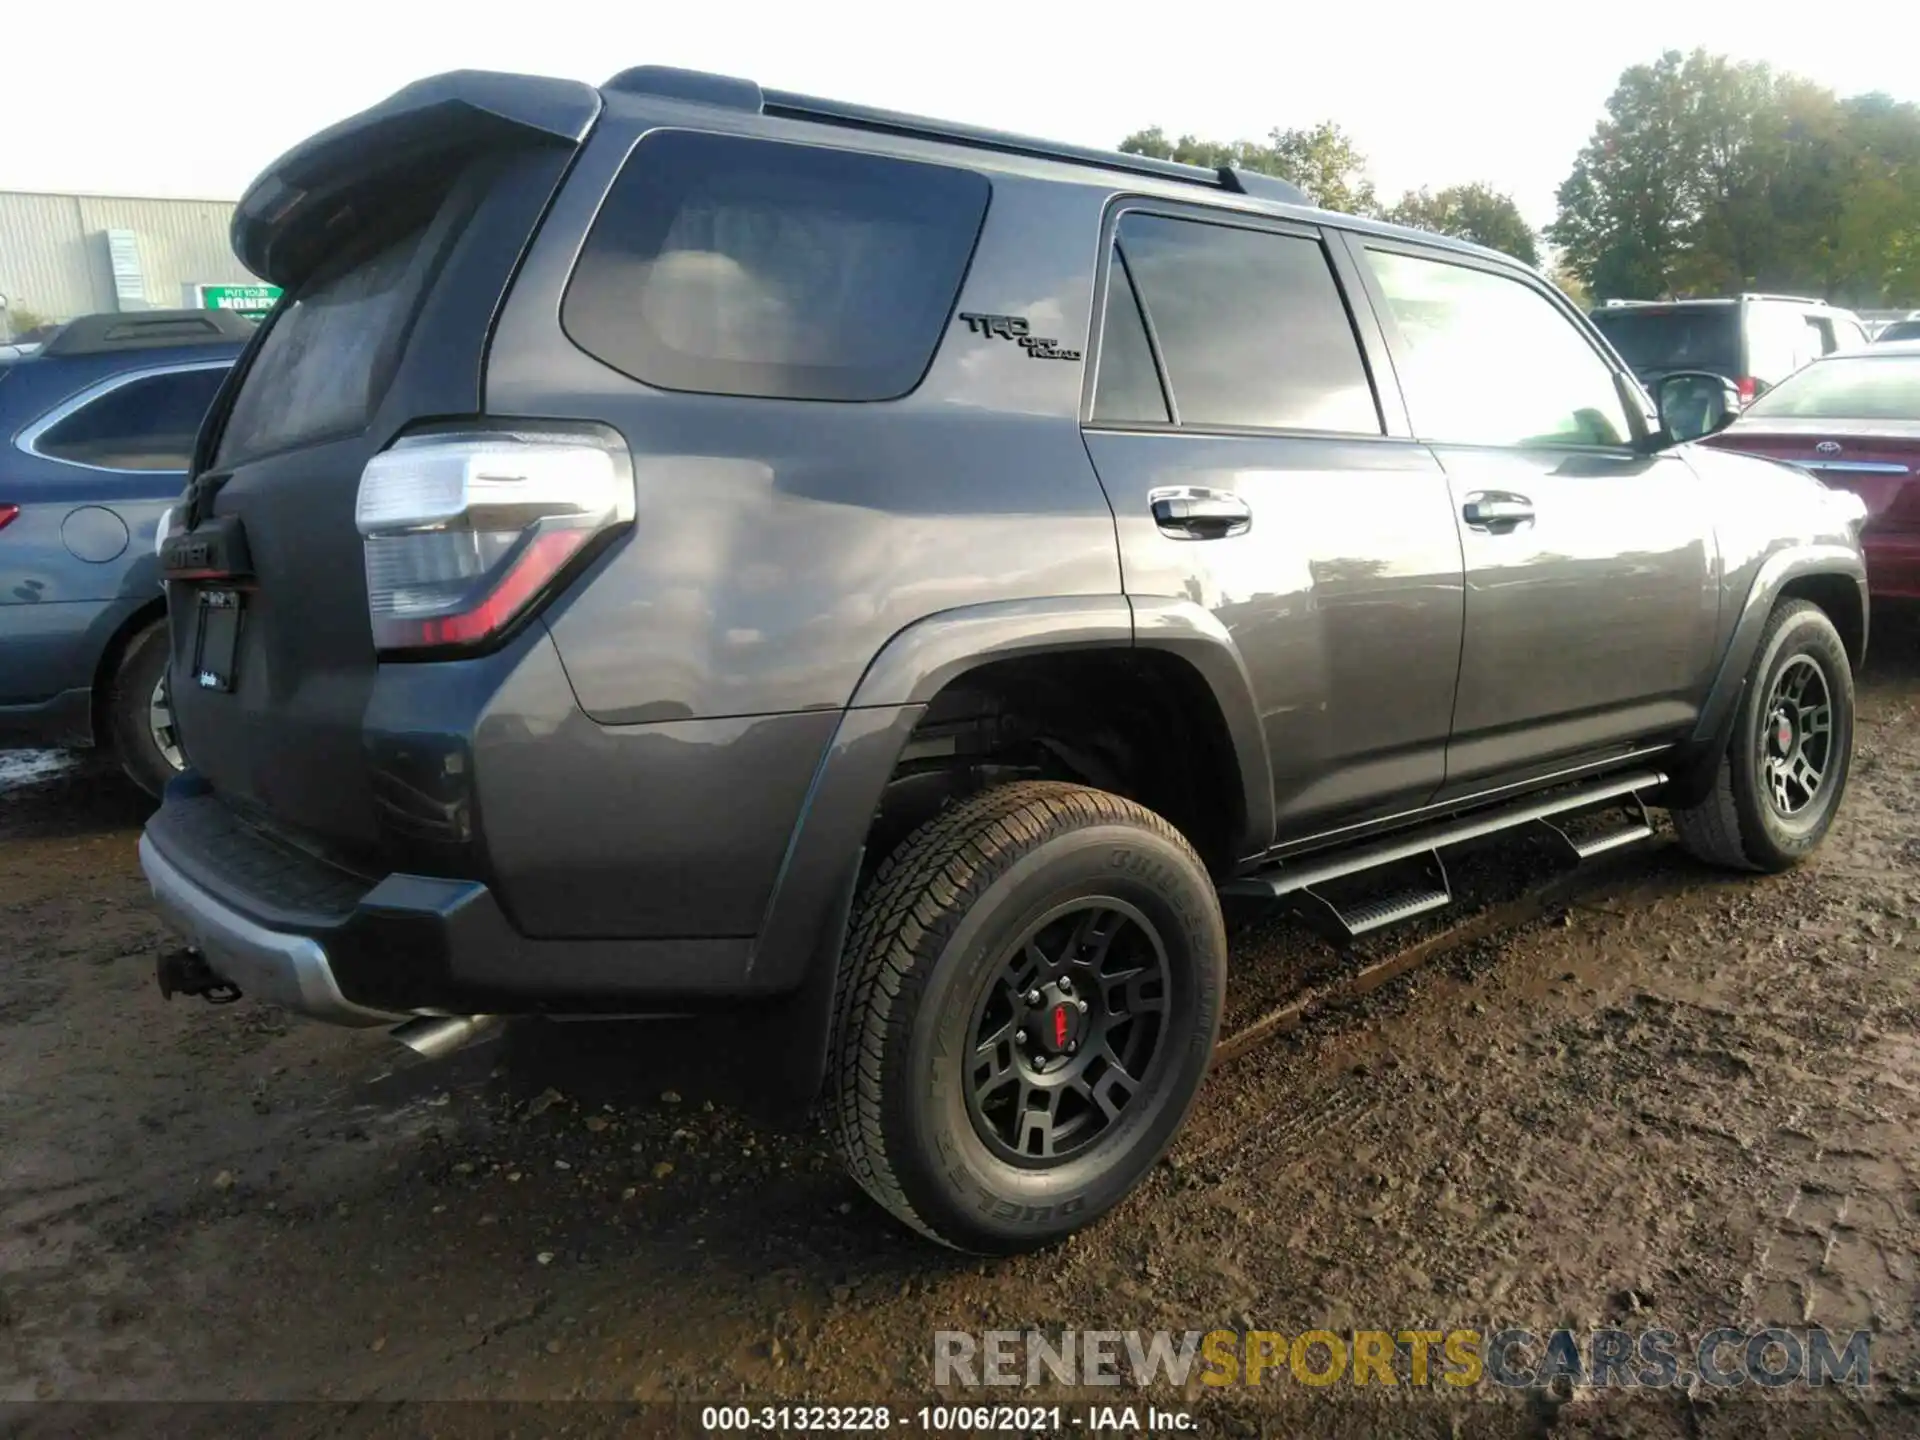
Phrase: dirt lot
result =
(1661, 1097)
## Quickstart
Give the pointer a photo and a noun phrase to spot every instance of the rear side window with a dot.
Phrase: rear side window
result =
(321, 366)
(145, 424)
(1251, 326)
(1128, 390)
(753, 267)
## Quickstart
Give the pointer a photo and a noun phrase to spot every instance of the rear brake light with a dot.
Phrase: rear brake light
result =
(1748, 387)
(7, 512)
(466, 532)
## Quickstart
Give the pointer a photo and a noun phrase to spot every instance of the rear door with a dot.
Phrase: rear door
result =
(391, 289)
(1254, 471)
(1592, 591)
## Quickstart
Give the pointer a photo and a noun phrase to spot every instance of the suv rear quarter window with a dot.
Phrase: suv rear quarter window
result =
(738, 266)
(149, 422)
(1251, 326)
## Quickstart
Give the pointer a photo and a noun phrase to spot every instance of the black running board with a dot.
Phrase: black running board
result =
(1302, 878)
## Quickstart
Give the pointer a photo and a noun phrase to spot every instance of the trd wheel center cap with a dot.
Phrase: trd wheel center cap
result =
(1058, 1023)
(1783, 734)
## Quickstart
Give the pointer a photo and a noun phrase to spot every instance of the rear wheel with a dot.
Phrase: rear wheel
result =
(140, 714)
(1029, 1000)
(1785, 771)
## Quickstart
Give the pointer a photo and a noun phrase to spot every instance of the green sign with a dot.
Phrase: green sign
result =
(251, 300)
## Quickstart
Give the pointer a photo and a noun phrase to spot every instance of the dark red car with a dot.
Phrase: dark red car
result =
(1853, 419)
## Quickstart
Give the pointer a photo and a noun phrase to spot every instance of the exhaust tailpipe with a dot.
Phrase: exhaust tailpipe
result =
(437, 1035)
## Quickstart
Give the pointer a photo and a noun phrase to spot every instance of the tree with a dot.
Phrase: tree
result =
(1707, 176)
(1473, 212)
(1320, 159)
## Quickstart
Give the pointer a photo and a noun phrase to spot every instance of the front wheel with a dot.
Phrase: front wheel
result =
(1785, 771)
(1030, 996)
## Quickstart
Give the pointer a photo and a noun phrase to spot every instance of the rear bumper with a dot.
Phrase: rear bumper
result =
(317, 941)
(289, 970)
(65, 720)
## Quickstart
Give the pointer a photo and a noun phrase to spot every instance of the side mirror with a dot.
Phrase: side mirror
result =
(1694, 403)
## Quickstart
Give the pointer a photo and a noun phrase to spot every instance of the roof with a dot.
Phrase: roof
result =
(146, 330)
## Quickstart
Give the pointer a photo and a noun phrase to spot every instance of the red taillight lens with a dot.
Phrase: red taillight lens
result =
(7, 512)
(464, 533)
(1748, 387)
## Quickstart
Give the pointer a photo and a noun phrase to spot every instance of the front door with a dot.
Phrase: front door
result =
(1242, 445)
(1591, 565)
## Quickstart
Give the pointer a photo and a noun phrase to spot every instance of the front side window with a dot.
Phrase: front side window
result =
(732, 266)
(145, 424)
(1487, 360)
(1252, 328)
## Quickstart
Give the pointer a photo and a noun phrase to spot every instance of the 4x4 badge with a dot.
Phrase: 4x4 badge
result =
(1017, 329)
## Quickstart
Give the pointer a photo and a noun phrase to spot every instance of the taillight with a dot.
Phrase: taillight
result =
(1748, 387)
(465, 532)
(7, 512)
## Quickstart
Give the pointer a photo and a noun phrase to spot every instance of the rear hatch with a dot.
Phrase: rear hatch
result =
(1660, 340)
(395, 235)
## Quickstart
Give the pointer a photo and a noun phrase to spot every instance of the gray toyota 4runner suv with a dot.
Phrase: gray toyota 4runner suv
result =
(680, 546)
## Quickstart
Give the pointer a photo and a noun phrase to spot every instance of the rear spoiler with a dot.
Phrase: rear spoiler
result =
(287, 221)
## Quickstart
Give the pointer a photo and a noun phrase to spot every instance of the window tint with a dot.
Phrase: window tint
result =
(1490, 361)
(1704, 338)
(321, 366)
(751, 267)
(1251, 327)
(1128, 389)
(145, 424)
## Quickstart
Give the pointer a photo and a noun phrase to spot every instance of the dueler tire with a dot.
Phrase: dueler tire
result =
(974, 1089)
(131, 715)
(1782, 779)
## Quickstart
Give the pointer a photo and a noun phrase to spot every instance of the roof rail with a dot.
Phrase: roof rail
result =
(1622, 304)
(147, 330)
(892, 122)
(1793, 299)
(1265, 187)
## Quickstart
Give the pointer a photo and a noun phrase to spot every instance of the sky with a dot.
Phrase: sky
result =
(194, 97)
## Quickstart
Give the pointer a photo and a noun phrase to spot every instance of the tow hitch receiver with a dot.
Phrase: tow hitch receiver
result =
(186, 972)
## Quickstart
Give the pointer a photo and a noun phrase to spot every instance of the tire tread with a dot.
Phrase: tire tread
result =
(901, 923)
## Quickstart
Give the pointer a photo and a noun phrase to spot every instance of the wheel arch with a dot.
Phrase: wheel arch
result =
(1831, 576)
(803, 927)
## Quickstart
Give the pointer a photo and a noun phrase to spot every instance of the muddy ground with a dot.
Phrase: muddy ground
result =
(1661, 1097)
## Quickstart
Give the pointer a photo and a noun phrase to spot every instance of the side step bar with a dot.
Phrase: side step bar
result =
(1303, 878)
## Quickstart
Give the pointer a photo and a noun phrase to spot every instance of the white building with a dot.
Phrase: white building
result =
(67, 255)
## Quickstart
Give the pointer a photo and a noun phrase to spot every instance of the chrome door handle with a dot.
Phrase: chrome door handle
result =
(1488, 509)
(1193, 512)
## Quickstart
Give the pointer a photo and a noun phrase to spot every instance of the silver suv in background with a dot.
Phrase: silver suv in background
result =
(1754, 341)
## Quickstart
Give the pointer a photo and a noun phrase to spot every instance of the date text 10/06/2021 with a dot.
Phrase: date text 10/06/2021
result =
(958, 1419)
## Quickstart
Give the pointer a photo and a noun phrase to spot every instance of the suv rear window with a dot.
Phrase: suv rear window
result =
(754, 267)
(1707, 338)
(325, 360)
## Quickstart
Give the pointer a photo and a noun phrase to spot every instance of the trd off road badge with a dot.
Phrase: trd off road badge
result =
(1016, 329)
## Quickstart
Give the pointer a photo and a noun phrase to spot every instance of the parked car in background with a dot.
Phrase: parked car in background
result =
(1907, 329)
(96, 433)
(1755, 341)
(677, 545)
(1854, 421)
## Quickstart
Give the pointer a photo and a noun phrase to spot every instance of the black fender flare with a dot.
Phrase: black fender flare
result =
(803, 929)
(1693, 770)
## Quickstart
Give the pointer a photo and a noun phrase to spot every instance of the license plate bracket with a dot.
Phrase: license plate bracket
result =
(216, 642)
